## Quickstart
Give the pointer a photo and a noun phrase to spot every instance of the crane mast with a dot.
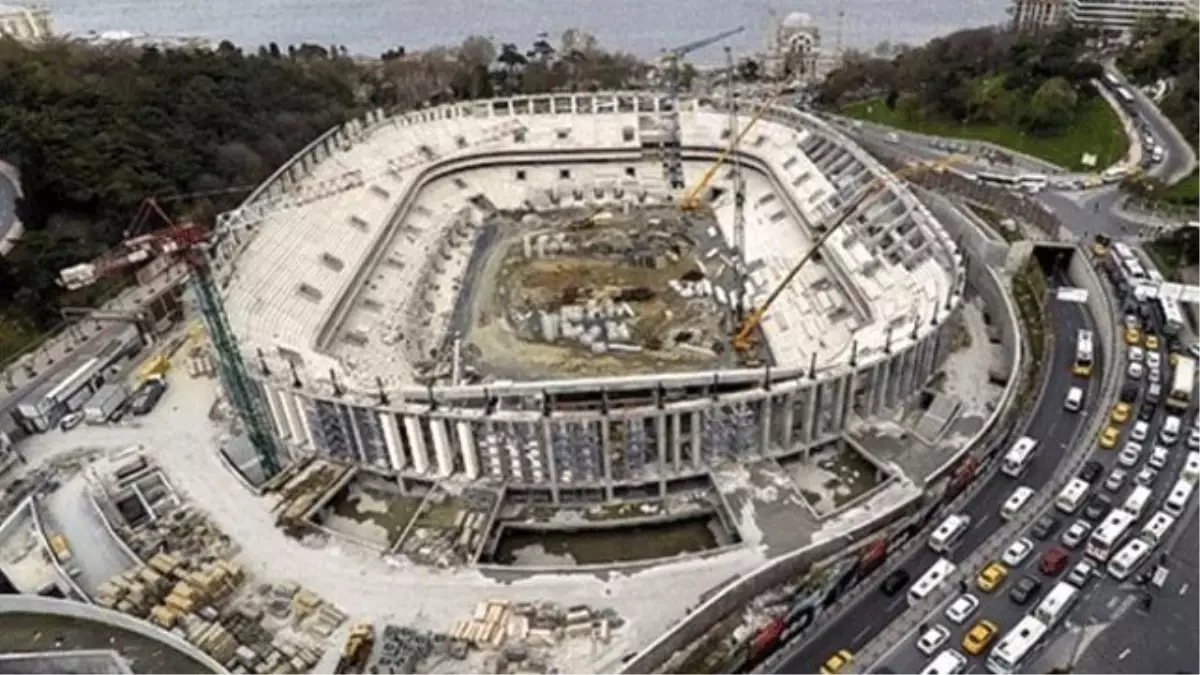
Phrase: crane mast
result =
(739, 185)
(670, 145)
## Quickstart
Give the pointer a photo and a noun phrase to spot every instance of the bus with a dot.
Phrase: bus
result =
(1071, 497)
(1183, 384)
(1056, 604)
(1085, 353)
(999, 180)
(1191, 467)
(1157, 527)
(1109, 535)
(1033, 182)
(1128, 558)
(1172, 316)
(1136, 502)
(1178, 498)
(1017, 459)
(1016, 644)
(938, 573)
(949, 532)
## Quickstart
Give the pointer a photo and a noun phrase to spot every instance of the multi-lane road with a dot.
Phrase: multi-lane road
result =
(858, 624)
(1103, 594)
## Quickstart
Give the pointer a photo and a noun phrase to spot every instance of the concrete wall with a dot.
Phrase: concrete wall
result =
(19, 604)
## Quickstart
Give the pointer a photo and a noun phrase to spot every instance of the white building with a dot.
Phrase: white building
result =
(794, 48)
(25, 24)
(1032, 15)
(1117, 18)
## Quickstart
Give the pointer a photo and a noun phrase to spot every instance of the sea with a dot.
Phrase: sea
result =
(642, 27)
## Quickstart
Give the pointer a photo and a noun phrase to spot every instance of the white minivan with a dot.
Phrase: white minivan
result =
(1074, 399)
(1015, 502)
(1170, 430)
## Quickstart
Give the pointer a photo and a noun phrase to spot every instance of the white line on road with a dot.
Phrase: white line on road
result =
(1123, 654)
(859, 635)
(1113, 602)
(1183, 589)
(896, 602)
(983, 520)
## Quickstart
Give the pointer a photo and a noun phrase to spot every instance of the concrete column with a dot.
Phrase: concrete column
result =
(551, 467)
(348, 415)
(278, 415)
(878, 380)
(676, 440)
(492, 449)
(764, 445)
(306, 435)
(660, 432)
(789, 417)
(697, 450)
(441, 446)
(416, 444)
(851, 381)
(606, 455)
(811, 414)
(515, 449)
(391, 440)
(466, 446)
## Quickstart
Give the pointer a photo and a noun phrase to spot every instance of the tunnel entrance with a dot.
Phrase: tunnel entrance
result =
(1054, 259)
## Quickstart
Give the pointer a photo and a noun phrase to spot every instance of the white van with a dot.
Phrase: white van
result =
(1170, 430)
(1074, 399)
(1016, 501)
(949, 662)
(949, 532)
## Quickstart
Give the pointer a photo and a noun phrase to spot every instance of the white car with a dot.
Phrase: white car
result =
(961, 609)
(1136, 354)
(1146, 477)
(1135, 370)
(933, 639)
(1017, 552)
(1153, 359)
(1081, 573)
(1116, 478)
(1158, 457)
(1129, 455)
(1141, 429)
(1154, 375)
(1076, 533)
(1074, 399)
(1193, 439)
(70, 421)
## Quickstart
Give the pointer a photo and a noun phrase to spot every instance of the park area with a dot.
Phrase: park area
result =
(1096, 129)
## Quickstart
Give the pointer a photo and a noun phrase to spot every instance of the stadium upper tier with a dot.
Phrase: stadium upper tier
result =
(356, 267)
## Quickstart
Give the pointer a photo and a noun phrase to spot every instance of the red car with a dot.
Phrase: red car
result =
(1054, 562)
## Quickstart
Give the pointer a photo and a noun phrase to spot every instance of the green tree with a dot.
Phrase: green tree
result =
(1051, 106)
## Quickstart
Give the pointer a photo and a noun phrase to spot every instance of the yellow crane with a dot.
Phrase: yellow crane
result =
(743, 340)
(694, 198)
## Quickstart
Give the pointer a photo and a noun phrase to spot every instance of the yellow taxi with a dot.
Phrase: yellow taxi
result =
(991, 577)
(1121, 412)
(979, 637)
(1109, 437)
(837, 663)
(1151, 341)
(1133, 336)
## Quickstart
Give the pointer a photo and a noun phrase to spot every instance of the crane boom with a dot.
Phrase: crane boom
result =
(693, 199)
(683, 50)
(742, 341)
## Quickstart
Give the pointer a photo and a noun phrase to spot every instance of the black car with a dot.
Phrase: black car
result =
(146, 397)
(1129, 393)
(1146, 413)
(1026, 590)
(1091, 471)
(1097, 507)
(895, 582)
(1044, 527)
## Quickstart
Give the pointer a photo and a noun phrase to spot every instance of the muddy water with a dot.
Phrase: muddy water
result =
(598, 547)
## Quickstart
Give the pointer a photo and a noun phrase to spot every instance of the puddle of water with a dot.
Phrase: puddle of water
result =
(597, 547)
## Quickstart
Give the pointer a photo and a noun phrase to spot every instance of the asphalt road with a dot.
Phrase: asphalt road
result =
(859, 623)
(1175, 152)
(8, 206)
(1104, 594)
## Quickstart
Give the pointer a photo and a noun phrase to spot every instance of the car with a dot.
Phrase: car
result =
(1133, 336)
(1154, 376)
(1131, 320)
(1017, 552)
(1074, 400)
(1146, 476)
(1054, 560)
(1109, 437)
(1193, 439)
(895, 582)
(1076, 533)
(1091, 471)
(1139, 431)
(1158, 457)
(962, 608)
(979, 637)
(1129, 455)
(1097, 507)
(1146, 413)
(1136, 355)
(1081, 573)
(1116, 478)
(146, 396)
(1044, 528)
(1153, 360)
(933, 639)
(991, 577)
(70, 420)
(1129, 393)
(1120, 413)
(1151, 342)
(1025, 590)
(1153, 395)
(837, 662)
(1135, 370)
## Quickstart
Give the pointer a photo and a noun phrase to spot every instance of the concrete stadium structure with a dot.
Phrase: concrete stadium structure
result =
(330, 287)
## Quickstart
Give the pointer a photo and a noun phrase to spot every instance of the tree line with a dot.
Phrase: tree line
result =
(95, 129)
(1169, 51)
(1032, 81)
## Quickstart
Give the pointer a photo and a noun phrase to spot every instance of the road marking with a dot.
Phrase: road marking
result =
(858, 636)
(1113, 602)
(1123, 654)
(1183, 589)
(983, 520)
(896, 602)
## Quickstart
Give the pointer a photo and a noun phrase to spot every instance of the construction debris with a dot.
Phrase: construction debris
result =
(519, 636)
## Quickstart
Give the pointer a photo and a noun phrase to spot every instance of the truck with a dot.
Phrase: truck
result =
(357, 650)
(107, 400)
(1183, 384)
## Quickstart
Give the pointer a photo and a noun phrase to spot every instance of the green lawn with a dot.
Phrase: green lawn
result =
(16, 336)
(1096, 130)
(1186, 191)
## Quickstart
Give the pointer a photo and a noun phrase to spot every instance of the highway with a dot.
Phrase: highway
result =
(1178, 160)
(860, 622)
(8, 205)
(1000, 609)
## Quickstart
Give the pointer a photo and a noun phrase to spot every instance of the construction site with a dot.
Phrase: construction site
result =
(591, 292)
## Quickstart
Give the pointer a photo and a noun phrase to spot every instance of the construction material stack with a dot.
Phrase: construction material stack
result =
(357, 649)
